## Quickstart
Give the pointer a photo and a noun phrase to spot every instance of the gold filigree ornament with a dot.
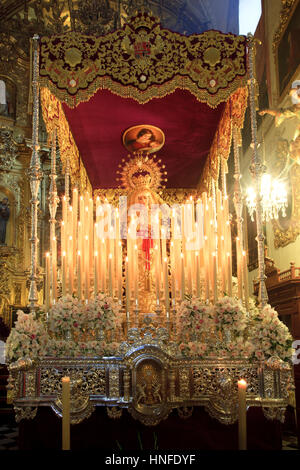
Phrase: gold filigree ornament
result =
(142, 171)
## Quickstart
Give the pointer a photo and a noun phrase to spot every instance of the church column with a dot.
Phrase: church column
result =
(35, 176)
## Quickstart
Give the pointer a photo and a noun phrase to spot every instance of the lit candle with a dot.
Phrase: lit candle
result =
(127, 284)
(65, 413)
(157, 274)
(71, 269)
(64, 274)
(110, 275)
(229, 275)
(182, 277)
(96, 273)
(54, 269)
(120, 271)
(245, 276)
(86, 268)
(215, 277)
(197, 274)
(47, 286)
(242, 387)
(239, 268)
(79, 276)
(136, 276)
(173, 270)
(166, 285)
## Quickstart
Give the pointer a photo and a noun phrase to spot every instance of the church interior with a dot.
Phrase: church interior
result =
(149, 225)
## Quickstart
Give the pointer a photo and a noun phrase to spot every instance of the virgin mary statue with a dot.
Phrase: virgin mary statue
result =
(141, 177)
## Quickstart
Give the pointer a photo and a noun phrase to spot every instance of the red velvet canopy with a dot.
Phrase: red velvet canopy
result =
(189, 126)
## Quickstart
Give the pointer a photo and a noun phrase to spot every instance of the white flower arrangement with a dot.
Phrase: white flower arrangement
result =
(71, 315)
(28, 338)
(102, 312)
(71, 330)
(227, 330)
(270, 337)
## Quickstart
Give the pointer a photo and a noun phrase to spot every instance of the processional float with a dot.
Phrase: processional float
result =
(141, 310)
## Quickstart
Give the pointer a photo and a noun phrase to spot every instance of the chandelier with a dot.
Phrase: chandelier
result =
(273, 195)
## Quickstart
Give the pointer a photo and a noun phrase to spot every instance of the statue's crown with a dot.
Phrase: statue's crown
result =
(142, 171)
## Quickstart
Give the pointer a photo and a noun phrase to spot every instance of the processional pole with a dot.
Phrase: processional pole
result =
(53, 203)
(257, 170)
(35, 176)
(242, 271)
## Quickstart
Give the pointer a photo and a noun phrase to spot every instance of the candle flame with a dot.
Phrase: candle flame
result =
(86, 237)
(47, 254)
(110, 256)
(70, 237)
(78, 252)
(181, 254)
(64, 253)
(126, 259)
(242, 383)
(165, 260)
(70, 208)
(96, 253)
(244, 253)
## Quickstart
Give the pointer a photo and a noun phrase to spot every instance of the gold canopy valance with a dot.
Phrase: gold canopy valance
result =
(143, 61)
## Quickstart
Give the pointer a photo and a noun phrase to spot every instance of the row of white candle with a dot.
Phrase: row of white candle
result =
(92, 257)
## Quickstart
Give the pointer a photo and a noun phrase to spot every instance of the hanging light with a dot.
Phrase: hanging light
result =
(273, 195)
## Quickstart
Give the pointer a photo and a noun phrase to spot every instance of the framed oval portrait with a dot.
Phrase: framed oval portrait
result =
(143, 137)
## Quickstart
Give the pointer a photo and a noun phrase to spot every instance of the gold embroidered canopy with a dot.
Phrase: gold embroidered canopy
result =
(143, 62)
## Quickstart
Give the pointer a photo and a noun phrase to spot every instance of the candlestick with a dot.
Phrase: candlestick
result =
(65, 413)
(242, 386)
